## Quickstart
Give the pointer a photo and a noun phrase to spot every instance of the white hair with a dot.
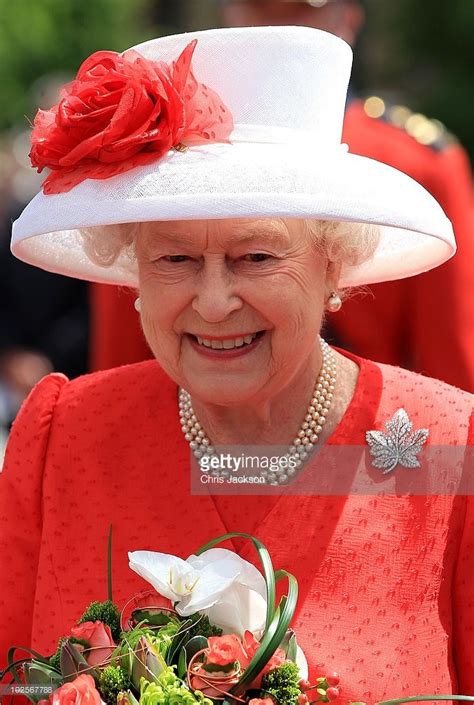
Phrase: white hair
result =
(339, 241)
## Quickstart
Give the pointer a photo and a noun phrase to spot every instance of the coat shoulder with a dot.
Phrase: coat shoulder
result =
(446, 410)
(112, 396)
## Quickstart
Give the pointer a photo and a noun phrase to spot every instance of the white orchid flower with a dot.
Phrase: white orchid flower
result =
(218, 583)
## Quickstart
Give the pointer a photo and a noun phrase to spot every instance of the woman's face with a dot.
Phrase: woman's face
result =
(231, 308)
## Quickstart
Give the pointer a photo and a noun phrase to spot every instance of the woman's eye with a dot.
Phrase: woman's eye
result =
(257, 257)
(175, 258)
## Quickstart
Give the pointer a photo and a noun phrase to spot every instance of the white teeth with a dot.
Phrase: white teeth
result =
(228, 344)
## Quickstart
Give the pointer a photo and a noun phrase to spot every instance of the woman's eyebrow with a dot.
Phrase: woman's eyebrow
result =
(273, 236)
(244, 235)
(167, 238)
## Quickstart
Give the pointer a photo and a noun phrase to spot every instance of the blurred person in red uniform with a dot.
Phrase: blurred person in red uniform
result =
(392, 323)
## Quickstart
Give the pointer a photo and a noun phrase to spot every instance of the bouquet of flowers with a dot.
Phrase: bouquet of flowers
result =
(208, 634)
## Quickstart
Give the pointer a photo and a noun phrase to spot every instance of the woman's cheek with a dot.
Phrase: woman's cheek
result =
(160, 337)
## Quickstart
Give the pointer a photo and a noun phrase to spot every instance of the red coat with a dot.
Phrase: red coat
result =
(416, 316)
(386, 589)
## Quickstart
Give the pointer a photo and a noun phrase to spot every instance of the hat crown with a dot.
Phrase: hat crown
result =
(277, 82)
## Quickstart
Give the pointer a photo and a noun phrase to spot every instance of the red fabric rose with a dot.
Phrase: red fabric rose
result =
(122, 111)
(80, 691)
(99, 636)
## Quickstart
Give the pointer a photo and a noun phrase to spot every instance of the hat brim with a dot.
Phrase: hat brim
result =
(242, 180)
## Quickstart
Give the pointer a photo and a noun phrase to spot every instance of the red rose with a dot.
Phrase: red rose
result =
(225, 649)
(99, 636)
(143, 600)
(151, 598)
(122, 111)
(80, 691)
(229, 647)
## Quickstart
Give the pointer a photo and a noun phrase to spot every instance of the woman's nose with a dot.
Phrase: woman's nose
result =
(216, 296)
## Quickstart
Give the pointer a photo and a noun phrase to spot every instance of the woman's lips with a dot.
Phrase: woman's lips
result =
(222, 353)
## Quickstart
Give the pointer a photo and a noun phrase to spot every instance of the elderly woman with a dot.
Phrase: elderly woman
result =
(225, 198)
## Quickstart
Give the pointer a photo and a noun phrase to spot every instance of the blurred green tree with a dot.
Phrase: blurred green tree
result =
(40, 37)
(423, 54)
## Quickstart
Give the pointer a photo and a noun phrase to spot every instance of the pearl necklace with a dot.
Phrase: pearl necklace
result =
(304, 441)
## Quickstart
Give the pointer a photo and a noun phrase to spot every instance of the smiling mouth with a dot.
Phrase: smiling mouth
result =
(227, 343)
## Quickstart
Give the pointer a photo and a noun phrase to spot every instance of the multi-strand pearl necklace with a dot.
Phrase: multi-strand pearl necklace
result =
(304, 441)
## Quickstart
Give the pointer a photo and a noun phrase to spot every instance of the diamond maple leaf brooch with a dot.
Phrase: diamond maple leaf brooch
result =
(398, 446)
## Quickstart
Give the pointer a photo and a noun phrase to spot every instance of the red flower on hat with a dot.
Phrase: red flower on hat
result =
(122, 111)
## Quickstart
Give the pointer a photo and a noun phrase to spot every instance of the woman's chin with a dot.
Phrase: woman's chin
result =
(224, 390)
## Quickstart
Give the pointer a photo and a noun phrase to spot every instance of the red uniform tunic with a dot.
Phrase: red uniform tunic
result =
(416, 315)
(386, 589)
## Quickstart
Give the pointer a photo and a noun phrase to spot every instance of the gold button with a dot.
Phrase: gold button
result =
(374, 107)
(399, 114)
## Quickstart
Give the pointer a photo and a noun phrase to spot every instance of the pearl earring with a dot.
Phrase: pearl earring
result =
(334, 302)
(137, 305)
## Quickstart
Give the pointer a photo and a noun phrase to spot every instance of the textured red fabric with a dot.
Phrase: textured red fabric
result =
(386, 582)
(419, 312)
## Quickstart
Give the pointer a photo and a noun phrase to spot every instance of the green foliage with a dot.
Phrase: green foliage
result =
(112, 680)
(132, 637)
(55, 659)
(422, 55)
(164, 635)
(203, 627)
(105, 612)
(169, 690)
(127, 644)
(161, 638)
(282, 683)
(39, 37)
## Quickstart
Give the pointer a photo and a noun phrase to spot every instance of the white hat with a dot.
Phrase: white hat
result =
(285, 88)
